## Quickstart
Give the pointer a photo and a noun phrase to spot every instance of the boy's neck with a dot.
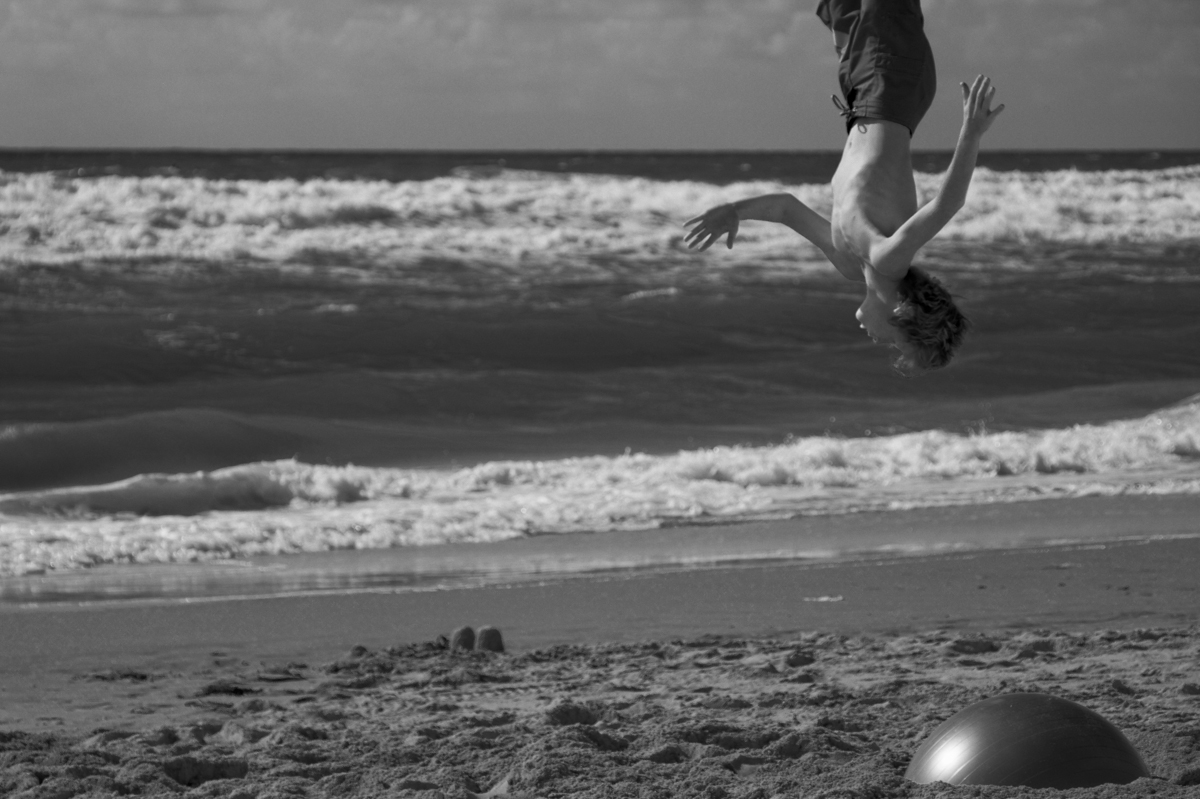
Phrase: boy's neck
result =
(885, 288)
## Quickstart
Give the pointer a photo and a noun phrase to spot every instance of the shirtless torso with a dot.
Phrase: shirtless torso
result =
(874, 192)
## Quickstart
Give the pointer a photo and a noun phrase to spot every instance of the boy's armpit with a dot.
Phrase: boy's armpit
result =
(849, 265)
(893, 255)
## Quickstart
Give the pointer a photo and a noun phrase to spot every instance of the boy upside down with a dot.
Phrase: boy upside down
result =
(887, 77)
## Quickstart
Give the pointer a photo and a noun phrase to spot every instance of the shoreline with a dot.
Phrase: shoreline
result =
(799, 541)
(1137, 568)
(1119, 585)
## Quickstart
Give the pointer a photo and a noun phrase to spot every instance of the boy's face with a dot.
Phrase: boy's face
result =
(873, 316)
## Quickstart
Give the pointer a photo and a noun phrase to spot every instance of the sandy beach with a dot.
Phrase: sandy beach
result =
(784, 678)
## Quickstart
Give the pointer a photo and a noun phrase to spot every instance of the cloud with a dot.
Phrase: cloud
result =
(579, 35)
(565, 73)
(163, 8)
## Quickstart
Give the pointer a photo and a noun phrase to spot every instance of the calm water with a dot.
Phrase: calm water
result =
(208, 356)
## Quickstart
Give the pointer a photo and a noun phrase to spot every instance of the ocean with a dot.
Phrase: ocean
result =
(211, 361)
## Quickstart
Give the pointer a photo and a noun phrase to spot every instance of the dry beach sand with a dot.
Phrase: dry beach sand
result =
(816, 715)
(813, 680)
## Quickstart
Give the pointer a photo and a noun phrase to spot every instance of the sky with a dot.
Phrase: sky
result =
(569, 74)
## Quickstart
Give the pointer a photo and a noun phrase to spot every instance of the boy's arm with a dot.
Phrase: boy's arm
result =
(892, 256)
(784, 209)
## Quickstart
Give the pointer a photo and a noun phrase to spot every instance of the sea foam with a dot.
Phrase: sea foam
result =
(526, 226)
(288, 506)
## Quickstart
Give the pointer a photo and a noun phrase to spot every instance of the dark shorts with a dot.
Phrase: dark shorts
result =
(886, 70)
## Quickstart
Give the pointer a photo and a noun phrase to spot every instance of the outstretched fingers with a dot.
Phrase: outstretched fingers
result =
(987, 105)
(971, 92)
(710, 226)
(978, 96)
(704, 237)
(700, 237)
(980, 93)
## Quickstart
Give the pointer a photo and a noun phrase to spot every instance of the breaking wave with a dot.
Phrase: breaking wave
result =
(288, 506)
(525, 224)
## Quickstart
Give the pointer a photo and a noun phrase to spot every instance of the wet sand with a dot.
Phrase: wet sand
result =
(791, 679)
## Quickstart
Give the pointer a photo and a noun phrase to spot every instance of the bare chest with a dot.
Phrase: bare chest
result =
(874, 192)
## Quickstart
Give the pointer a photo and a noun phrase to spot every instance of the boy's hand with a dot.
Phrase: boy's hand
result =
(978, 113)
(712, 225)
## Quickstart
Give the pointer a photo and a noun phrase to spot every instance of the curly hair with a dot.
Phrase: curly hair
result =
(932, 325)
